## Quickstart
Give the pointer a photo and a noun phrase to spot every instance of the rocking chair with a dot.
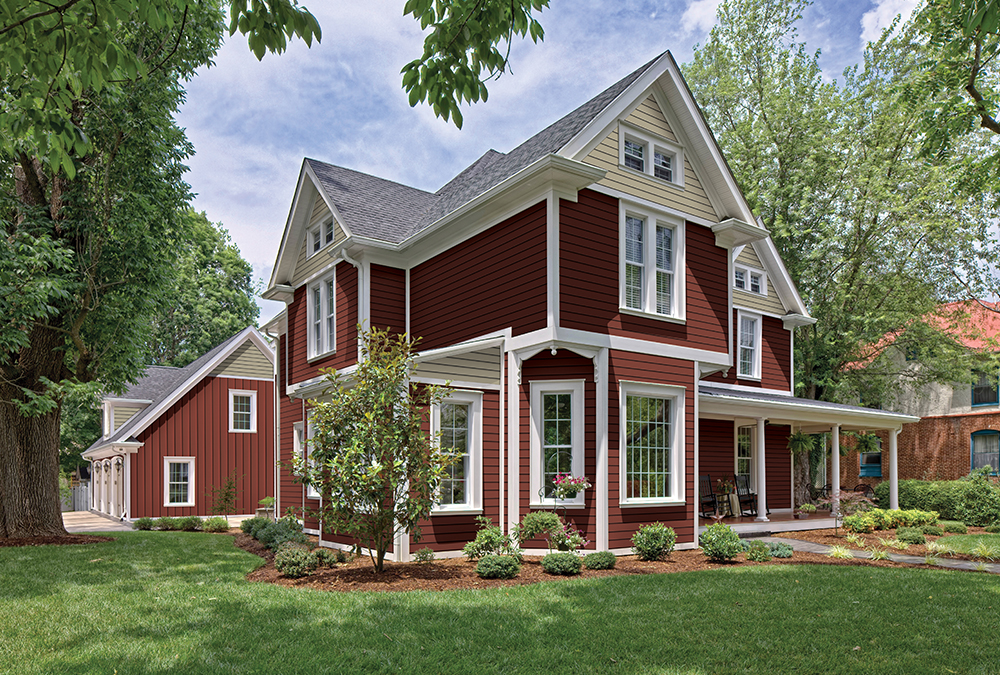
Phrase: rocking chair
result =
(748, 499)
(709, 502)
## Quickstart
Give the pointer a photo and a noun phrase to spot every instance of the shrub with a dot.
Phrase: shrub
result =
(599, 560)
(981, 505)
(911, 535)
(253, 526)
(189, 523)
(719, 542)
(425, 554)
(933, 530)
(498, 567)
(654, 541)
(326, 557)
(490, 540)
(567, 538)
(341, 555)
(165, 523)
(144, 523)
(780, 549)
(758, 552)
(215, 525)
(807, 508)
(536, 524)
(993, 529)
(278, 532)
(953, 526)
(295, 561)
(859, 522)
(563, 563)
(974, 500)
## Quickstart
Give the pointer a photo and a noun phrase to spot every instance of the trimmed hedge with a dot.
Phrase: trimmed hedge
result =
(144, 523)
(565, 563)
(974, 500)
(599, 560)
(498, 567)
(883, 519)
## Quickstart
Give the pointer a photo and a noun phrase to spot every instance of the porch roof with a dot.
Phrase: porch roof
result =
(807, 414)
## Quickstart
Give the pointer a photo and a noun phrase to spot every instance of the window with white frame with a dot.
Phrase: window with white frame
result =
(457, 423)
(242, 411)
(321, 236)
(322, 311)
(178, 481)
(748, 345)
(747, 279)
(651, 263)
(300, 447)
(650, 154)
(652, 444)
(744, 452)
(556, 437)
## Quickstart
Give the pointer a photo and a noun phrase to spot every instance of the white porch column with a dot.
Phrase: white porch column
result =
(601, 479)
(893, 469)
(835, 468)
(761, 474)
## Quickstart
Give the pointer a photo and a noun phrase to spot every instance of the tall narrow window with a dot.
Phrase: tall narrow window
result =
(647, 448)
(651, 262)
(871, 462)
(664, 269)
(328, 232)
(633, 262)
(635, 155)
(455, 439)
(322, 318)
(744, 452)
(740, 278)
(317, 241)
(754, 283)
(557, 437)
(317, 321)
(749, 346)
(331, 315)
(178, 481)
(457, 423)
(986, 450)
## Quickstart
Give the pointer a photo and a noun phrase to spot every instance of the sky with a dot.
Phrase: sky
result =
(341, 101)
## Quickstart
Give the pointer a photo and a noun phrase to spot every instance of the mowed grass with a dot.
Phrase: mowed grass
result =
(163, 602)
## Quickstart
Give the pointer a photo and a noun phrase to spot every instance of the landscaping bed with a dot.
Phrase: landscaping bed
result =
(832, 537)
(63, 540)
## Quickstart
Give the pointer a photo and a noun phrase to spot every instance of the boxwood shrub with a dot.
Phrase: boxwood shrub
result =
(720, 543)
(564, 563)
(215, 524)
(189, 523)
(932, 530)
(253, 526)
(295, 561)
(599, 560)
(498, 567)
(144, 523)
(911, 535)
(165, 523)
(654, 541)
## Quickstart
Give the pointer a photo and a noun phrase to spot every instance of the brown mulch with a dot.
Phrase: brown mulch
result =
(64, 540)
(832, 537)
(449, 574)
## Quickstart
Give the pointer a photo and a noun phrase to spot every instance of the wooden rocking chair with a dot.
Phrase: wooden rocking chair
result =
(709, 502)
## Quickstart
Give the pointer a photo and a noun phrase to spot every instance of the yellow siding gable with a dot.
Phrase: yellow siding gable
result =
(306, 266)
(246, 361)
(690, 199)
(747, 300)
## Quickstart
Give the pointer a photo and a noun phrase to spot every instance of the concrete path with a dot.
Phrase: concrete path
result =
(86, 521)
(822, 549)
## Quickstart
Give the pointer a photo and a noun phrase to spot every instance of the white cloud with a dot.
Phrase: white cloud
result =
(699, 15)
(881, 16)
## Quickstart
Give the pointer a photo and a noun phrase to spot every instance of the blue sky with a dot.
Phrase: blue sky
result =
(341, 101)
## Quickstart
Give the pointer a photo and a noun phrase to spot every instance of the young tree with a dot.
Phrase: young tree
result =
(369, 457)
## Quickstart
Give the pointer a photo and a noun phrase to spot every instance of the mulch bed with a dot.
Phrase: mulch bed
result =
(64, 540)
(871, 540)
(458, 574)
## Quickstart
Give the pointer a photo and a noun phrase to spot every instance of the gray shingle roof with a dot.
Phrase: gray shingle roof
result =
(382, 209)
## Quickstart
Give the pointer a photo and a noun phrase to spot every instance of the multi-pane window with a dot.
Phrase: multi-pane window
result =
(557, 437)
(740, 279)
(750, 280)
(749, 346)
(986, 450)
(633, 261)
(328, 232)
(300, 447)
(635, 155)
(317, 241)
(321, 237)
(647, 448)
(984, 390)
(242, 411)
(744, 452)
(322, 317)
(557, 421)
(455, 439)
(664, 269)
(663, 166)
(649, 280)
(755, 283)
(178, 483)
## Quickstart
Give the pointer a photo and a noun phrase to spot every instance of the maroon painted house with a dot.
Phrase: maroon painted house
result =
(178, 433)
(601, 300)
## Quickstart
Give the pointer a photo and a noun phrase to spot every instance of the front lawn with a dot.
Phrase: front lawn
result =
(157, 602)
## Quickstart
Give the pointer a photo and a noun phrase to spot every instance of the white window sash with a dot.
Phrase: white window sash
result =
(473, 400)
(234, 396)
(676, 456)
(652, 263)
(167, 462)
(575, 389)
(322, 317)
(748, 354)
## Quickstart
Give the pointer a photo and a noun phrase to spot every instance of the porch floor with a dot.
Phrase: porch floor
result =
(777, 522)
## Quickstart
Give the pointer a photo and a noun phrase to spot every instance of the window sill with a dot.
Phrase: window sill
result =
(320, 357)
(574, 505)
(749, 378)
(455, 512)
(651, 315)
(658, 181)
(651, 504)
(985, 405)
(184, 505)
(242, 431)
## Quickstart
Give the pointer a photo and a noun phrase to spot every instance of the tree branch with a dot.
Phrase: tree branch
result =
(60, 9)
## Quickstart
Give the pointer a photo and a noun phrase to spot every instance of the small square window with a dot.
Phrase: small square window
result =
(242, 411)
(634, 155)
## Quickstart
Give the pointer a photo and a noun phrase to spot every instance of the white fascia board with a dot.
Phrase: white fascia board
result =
(730, 407)
(461, 348)
(279, 293)
(326, 199)
(109, 449)
(278, 325)
(116, 399)
(282, 260)
(782, 280)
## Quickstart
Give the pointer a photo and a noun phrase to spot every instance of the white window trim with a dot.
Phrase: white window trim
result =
(747, 271)
(233, 393)
(475, 473)
(651, 143)
(751, 424)
(167, 461)
(652, 219)
(320, 230)
(758, 341)
(300, 447)
(539, 387)
(678, 467)
(108, 418)
(323, 285)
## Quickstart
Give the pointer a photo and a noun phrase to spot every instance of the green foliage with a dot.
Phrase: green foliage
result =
(840, 552)
(369, 455)
(599, 560)
(535, 524)
(215, 524)
(424, 555)
(974, 500)
(801, 442)
(266, 502)
(498, 567)
(146, 523)
(981, 505)
(79, 423)
(932, 530)
(327, 557)
(189, 523)
(807, 508)
(281, 531)
(719, 543)
(490, 540)
(467, 38)
(885, 519)
(953, 527)
(911, 535)
(758, 552)
(295, 561)
(224, 496)
(780, 549)
(562, 563)
(254, 525)
(995, 528)
(167, 524)
(653, 542)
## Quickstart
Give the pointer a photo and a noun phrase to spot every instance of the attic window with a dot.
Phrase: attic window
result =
(320, 237)
(751, 280)
(638, 147)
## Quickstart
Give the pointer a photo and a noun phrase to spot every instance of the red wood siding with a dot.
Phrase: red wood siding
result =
(717, 449)
(487, 283)
(775, 357)
(588, 285)
(347, 334)
(717, 457)
(198, 426)
(565, 365)
(778, 466)
(451, 533)
(388, 298)
(622, 523)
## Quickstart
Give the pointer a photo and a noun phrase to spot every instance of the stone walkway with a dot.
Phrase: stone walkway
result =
(823, 549)
(87, 521)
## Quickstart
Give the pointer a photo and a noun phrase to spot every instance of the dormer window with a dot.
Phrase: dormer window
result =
(320, 237)
(652, 155)
(751, 280)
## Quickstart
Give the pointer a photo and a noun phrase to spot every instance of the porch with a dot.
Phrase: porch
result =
(776, 522)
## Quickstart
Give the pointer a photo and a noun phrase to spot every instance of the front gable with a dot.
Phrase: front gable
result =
(768, 301)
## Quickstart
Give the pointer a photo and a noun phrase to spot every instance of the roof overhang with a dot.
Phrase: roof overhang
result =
(733, 232)
(792, 320)
(111, 449)
(278, 325)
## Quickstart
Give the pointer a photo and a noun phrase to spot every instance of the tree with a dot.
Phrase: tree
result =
(369, 458)
(212, 299)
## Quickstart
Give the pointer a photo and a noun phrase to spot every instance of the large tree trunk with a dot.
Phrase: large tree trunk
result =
(800, 469)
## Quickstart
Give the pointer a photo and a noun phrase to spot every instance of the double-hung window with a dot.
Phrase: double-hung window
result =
(556, 437)
(457, 424)
(751, 280)
(648, 153)
(178, 481)
(651, 265)
(242, 411)
(300, 447)
(320, 237)
(986, 449)
(635, 155)
(984, 389)
(651, 439)
(748, 345)
(744, 452)
(322, 310)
